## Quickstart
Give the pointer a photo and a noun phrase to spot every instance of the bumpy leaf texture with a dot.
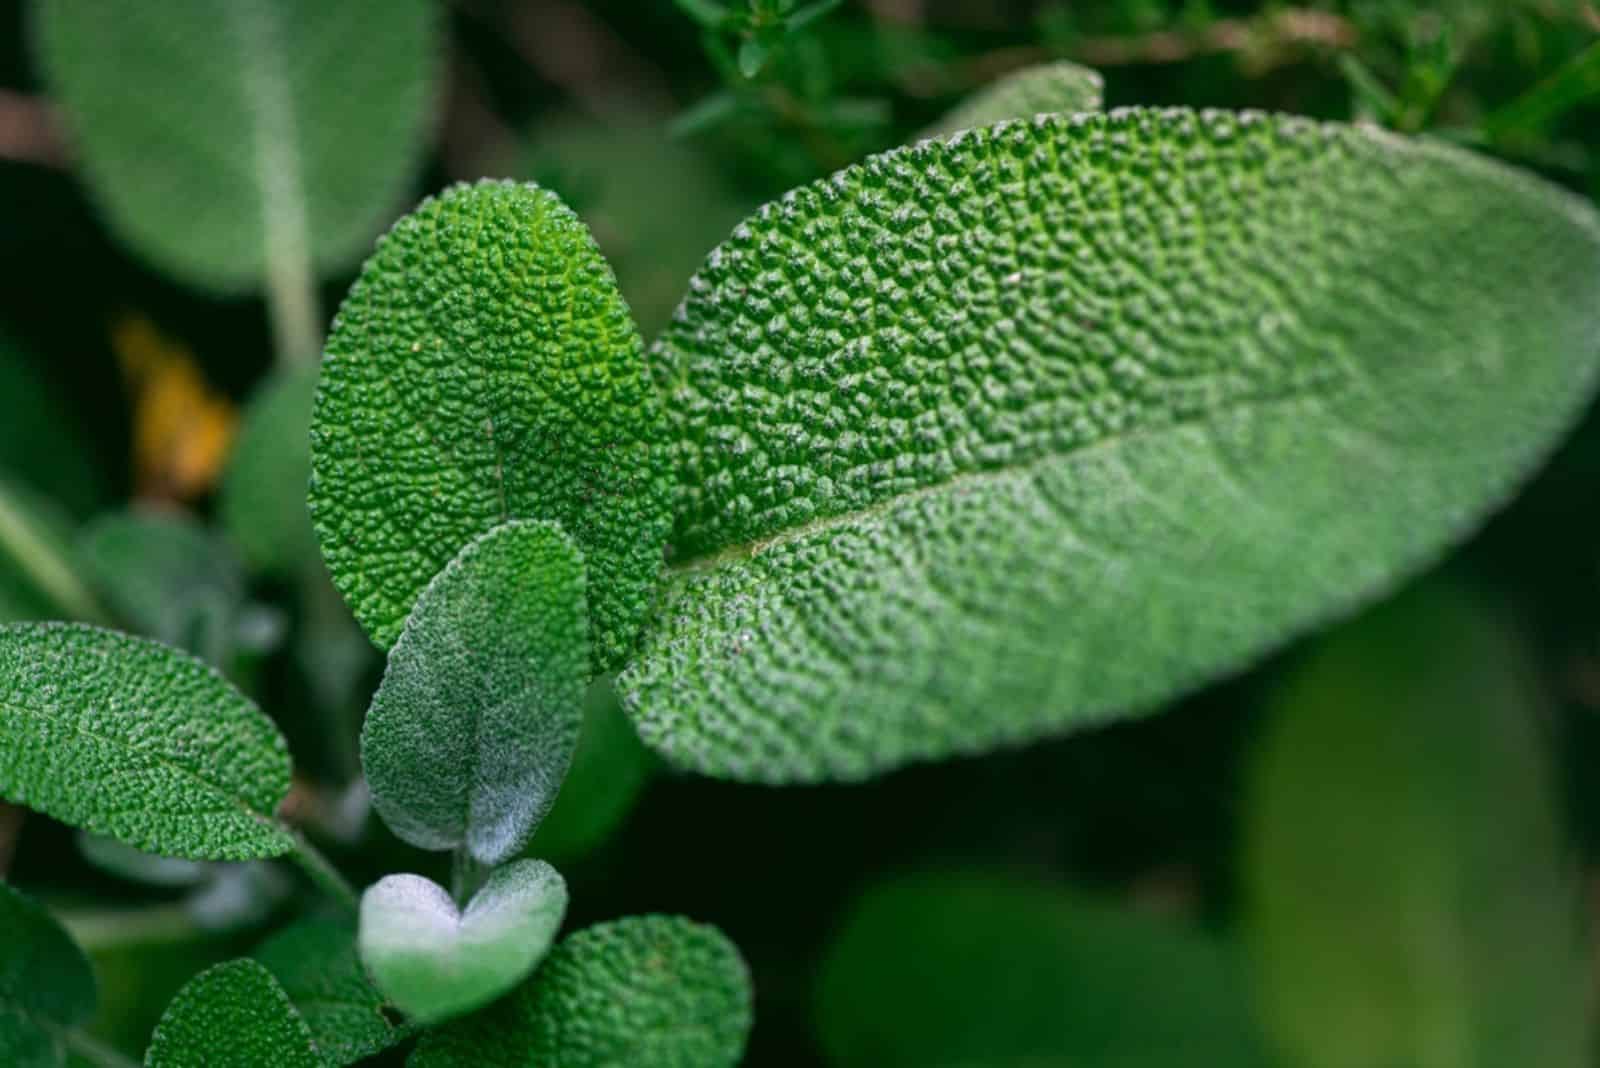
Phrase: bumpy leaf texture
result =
(989, 438)
(475, 722)
(641, 992)
(46, 984)
(131, 739)
(316, 964)
(225, 138)
(234, 1013)
(263, 502)
(1411, 896)
(1046, 89)
(485, 368)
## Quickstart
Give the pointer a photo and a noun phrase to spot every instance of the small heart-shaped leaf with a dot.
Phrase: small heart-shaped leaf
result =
(434, 962)
(235, 1013)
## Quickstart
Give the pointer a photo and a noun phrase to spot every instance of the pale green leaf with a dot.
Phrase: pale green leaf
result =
(315, 961)
(232, 1014)
(263, 502)
(482, 369)
(38, 560)
(435, 962)
(640, 992)
(1410, 893)
(228, 139)
(1050, 88)
(474, 725)
(989, 438)
(128, 738)
(981, 971)
(137, 866)
(46, 985)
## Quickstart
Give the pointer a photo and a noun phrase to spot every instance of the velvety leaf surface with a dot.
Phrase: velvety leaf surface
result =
(1046, 89)
(128, 738)
(1411, 895)
(315, 962)
(640, 992)
(263, 503)
(985, 971)
(474, 724)
(990, 438)
(435, 962)
(46, 984)
(484, 368)
(232, 1014)
(227, 139)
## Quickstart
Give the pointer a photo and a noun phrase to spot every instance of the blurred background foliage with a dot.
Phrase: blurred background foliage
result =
(1377, 849)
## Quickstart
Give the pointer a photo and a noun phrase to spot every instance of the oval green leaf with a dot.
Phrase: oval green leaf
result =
(263, 503)
(46, 983)
(1049, 88)
(434, 961)
(1043, 425)
(234, 1013)
(474, 725)
(315, 962)
(640, 992)
(1411, 894)
(131, 739)
(227, 140)
(484, 368)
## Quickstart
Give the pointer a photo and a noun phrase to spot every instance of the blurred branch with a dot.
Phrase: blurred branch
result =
(30, 132)
(906, 12)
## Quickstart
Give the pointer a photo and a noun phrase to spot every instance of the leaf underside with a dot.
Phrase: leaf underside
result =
(1049, 88)
(986, 439)
(316, 964)
(131, 739)
(233, 1013)
(46, 984)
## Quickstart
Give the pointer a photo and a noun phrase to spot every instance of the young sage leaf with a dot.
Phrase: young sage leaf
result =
(234, 1013)
(128, 738)
(434, 962)
(640, 992)
(474, 725)
(484, 368)
(993, 437)
(315, 962)
(226, 140)
(1049, 88)
(46, 984)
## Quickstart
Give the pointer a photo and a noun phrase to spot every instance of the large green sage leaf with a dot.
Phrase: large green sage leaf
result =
(128, 738)
(475, 722)
(315, 962)
(993, 437)
(46, 984)
(640, 992)
(234, 1014)
(1044, 89)
(1411, 896)
(484, 368)
(228, 140)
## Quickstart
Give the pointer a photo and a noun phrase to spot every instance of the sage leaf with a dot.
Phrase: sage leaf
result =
(128, 738)
(46, 984)
(315, 962)
(1410, 894)
(263, 501)
(989, 438)
(233, 1013)
(640, 992)
(474, 725)
(1044, 89)
(228, 140)
(484, 368)
(978, 970)
(434, 961)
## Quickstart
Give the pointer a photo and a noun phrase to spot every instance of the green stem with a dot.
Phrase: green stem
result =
(1532, 112)
(44, 565)
(466, 876)
(323, 873)
(96, 1052)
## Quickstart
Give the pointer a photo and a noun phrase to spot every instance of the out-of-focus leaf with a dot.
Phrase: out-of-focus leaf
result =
(1047, 89)
(42, 442)
(263, 505)
(1411, 898)
(316, 964)
(233, 1014)
(46, 985)
(982, 971)
(182, 428)
(137, 866)
(229, 139)
(39, 568)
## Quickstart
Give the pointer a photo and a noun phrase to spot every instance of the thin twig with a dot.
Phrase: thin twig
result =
(322, 872)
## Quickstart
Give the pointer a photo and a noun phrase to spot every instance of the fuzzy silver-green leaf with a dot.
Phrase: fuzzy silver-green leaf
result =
(46, 984)
(233, 1014)
(989, 438)
(128, 738)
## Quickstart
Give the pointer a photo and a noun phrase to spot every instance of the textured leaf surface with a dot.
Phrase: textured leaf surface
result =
(234, 1014)
(1046, 89)
(976, 971)
(128, 738)
(223, 137)
(989, 438)
(1411, 896)
(263, 504)
(435, 962)
(46, 984)
(315, 962)
(641, 992)
(474, 725)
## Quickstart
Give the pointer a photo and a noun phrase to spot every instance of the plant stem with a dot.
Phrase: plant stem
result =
(44, 565)
(466, 875)
(99, 929)
(96, 1052)
(323, 873)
